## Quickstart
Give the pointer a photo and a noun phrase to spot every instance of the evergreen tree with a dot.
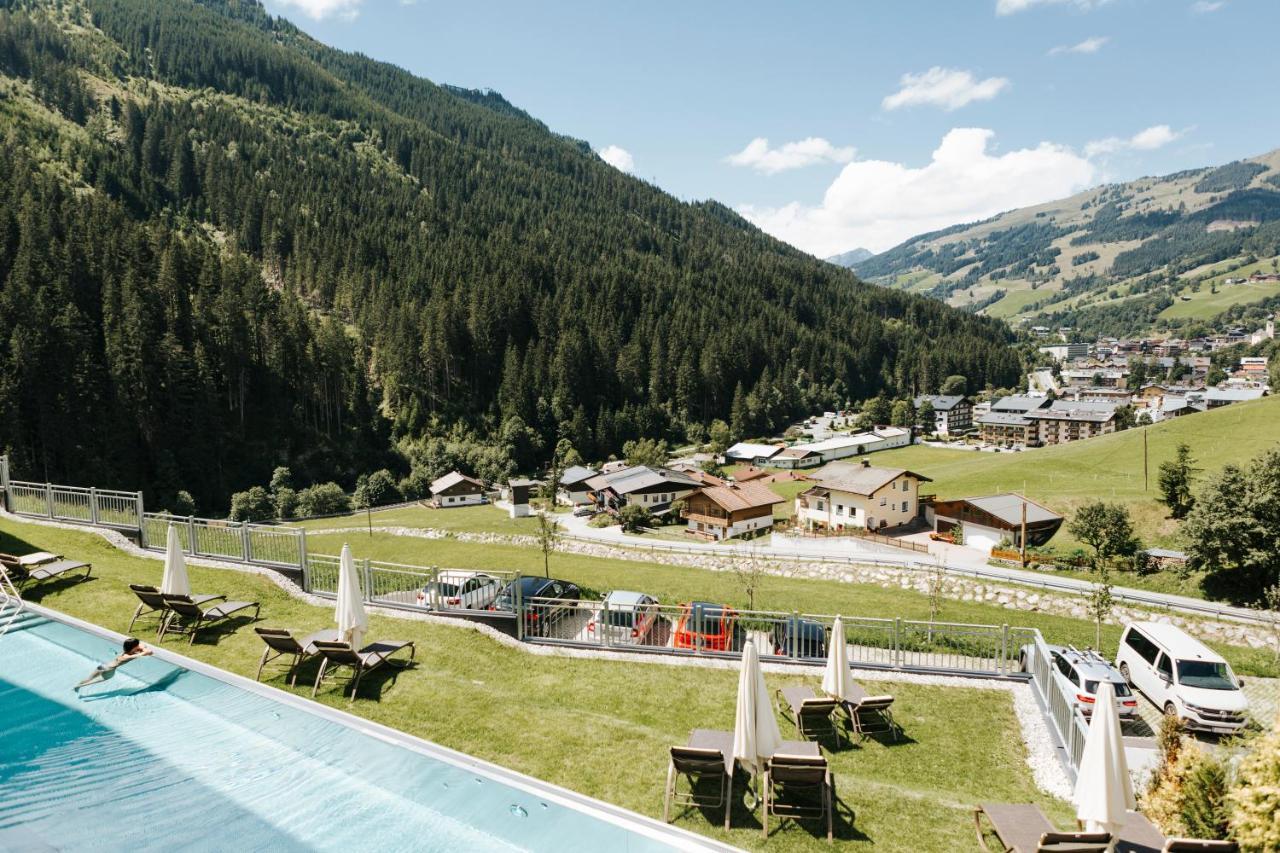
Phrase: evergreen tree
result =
(1175, 479)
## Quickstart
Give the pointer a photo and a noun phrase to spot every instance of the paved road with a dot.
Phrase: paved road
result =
(964, 562)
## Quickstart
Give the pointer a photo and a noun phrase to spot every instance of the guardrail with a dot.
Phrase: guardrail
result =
(1068, 724)
(99, 507)
(421, 589)
(275, 545)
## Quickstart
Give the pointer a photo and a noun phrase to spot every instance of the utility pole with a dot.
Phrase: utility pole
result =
(1144, 459)
(1023, 540)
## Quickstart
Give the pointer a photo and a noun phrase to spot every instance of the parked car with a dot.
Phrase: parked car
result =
(802, 638)
(706, 626)
(462, 590)
(1182, 676)
(546, 600)
(626, 617)
(584, 511)
(1076, 674)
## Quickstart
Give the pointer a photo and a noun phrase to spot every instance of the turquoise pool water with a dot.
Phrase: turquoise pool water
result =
(162, 757)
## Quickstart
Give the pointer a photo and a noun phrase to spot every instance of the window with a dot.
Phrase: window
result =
(904, 506)
(839, 509)
(820, 506)
(1205, 674)
(1144, 647)
(1164, 667)
(883, 500)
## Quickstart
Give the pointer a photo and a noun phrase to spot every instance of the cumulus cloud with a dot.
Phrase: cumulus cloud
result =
(790, 155)
(320, 9)
(1204, 7)
(1093, 44)
(1150, 139)
(1010, 7)
(949, 88)
(878, 204)
(617, 157)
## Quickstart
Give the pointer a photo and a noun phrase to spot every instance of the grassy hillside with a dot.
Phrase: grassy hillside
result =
(1153, 241)
(1110, 467)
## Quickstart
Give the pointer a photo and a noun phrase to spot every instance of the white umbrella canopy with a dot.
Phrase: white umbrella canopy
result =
(837, 682)
(1104, 791)
(175, 580)
(352, 620)
(755, 729)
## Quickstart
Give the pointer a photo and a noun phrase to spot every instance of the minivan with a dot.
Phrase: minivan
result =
(1182, 676)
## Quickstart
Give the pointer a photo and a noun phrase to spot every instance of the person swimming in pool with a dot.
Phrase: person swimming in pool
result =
(133, 648)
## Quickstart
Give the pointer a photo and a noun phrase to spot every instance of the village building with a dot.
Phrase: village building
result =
(729, 510)
(642, 485)
(800, 456)
(1019, 404)
(457, 489)
(573, 489)
(985, 522)
(952, 413)
(858, 494)
(1217, 397)
(1007, 429)
(841, 447)
(753, 454)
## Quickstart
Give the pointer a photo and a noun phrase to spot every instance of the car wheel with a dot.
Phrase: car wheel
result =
(1124, 671)
(1170, 709)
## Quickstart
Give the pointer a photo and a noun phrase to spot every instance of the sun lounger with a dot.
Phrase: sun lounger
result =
(151, 603)
(1023, 828)
(188, 617)
(23, 571)
(870, 715)
(696, 765)
(281, 643)
(811, 713)
(722, 742)
(1140, 835)
(368, 659)
(798, 787)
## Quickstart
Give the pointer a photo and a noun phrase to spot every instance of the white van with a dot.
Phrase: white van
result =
(1183, 676)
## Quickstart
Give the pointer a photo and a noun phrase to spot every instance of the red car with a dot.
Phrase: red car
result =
(710, 627)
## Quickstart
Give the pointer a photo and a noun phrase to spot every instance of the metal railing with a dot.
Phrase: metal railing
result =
(276, 545)
(1068, 724)
(11, 603)
(82, 505)
(423, 589)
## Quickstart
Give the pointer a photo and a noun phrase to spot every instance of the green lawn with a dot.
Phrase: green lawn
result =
(1015, 300)
(1204, 304)
(465, 519)
(602, 727)
(1109, 467)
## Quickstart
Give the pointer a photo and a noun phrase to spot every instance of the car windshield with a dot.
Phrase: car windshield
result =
(442, 588)
(1205, 674)
(1122, 689)
(621, 618)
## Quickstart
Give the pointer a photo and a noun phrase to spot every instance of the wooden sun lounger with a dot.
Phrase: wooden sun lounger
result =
(696, 764)
(188, 617)
(870, 715)
(1140, 835)
(371, 657)
(281, 643)
(1023, 828)
(151, 603)
(722, 742)
(798, 787)
(22, 573)
(810, 712)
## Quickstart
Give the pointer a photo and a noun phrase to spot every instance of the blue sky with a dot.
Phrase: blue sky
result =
(882, 119)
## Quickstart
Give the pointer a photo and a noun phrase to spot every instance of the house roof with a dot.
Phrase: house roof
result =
(742, 496)
(747, 450)
(1165, 554)
(1008, 508)
(1076, 410)
(841, 441)
(1005, 419)
(858, 478)
(452, 479)
(639, 477)
(704, 478)
(941, 402)
(1019, 403)
(1233, 395)
(750, 473)
(575, 474)
(800, 451)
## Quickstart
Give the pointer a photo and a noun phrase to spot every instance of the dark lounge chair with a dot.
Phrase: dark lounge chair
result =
(23, 573)
(371, 657)
(697, 764)
(188, 617)
(281, 644)
(1140, 835)
(151, 603)
(1023, 828)
(811, 713)
(871, 715)
(798, 787)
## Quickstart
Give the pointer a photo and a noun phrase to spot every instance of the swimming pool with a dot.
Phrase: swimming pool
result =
(167, 755)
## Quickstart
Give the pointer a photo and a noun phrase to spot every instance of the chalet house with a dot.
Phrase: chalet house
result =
(455, 489)
(723, 512)
(753, 454)
(574, 490)
(952, 413)
(650, 487)
(800, 456)
(857, 494)
(984, 522)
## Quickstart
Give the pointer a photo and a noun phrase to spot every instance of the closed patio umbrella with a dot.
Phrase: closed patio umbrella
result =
(837, 682)
(175, 580)
(1103, 790)
(755, 729)
(352, 620)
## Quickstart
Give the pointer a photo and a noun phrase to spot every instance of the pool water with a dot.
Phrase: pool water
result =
(164, 757)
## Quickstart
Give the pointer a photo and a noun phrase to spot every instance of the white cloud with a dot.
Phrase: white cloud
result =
(790, 155)
(617, 157)
(1150, 139)
(1093, 44)
(1009, 7)
(948, 88)
(1204, 7)
(320, 9)
(878, 204)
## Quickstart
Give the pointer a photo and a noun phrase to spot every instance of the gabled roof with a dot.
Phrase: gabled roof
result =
(1008, 508)
(575, 474)
(639, 477)
(452, 479)
(858, 478)
(1019, 403)
(744, 496)
(747, 450)
(940, 402)
(800, 451)
(749, 473)
(1005, 419)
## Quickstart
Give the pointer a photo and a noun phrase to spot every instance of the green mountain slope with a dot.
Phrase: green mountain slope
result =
(236, 247)
(1154, 253)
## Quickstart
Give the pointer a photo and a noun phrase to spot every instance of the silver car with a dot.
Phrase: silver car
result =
(459, 591)
(1077, 674)
(627, 617)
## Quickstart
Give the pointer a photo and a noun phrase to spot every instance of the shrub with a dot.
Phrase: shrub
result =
(634, 518)
(281, 478)
(376, 489)
(602, 520)
(1187, 796)
(322, 499)
(286, 501)
(416, 486)
(1254, 801)
(183, 503)
(252, 505)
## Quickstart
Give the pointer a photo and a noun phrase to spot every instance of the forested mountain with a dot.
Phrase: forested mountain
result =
(225, 246)
(1155, 253)
(852, 257)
